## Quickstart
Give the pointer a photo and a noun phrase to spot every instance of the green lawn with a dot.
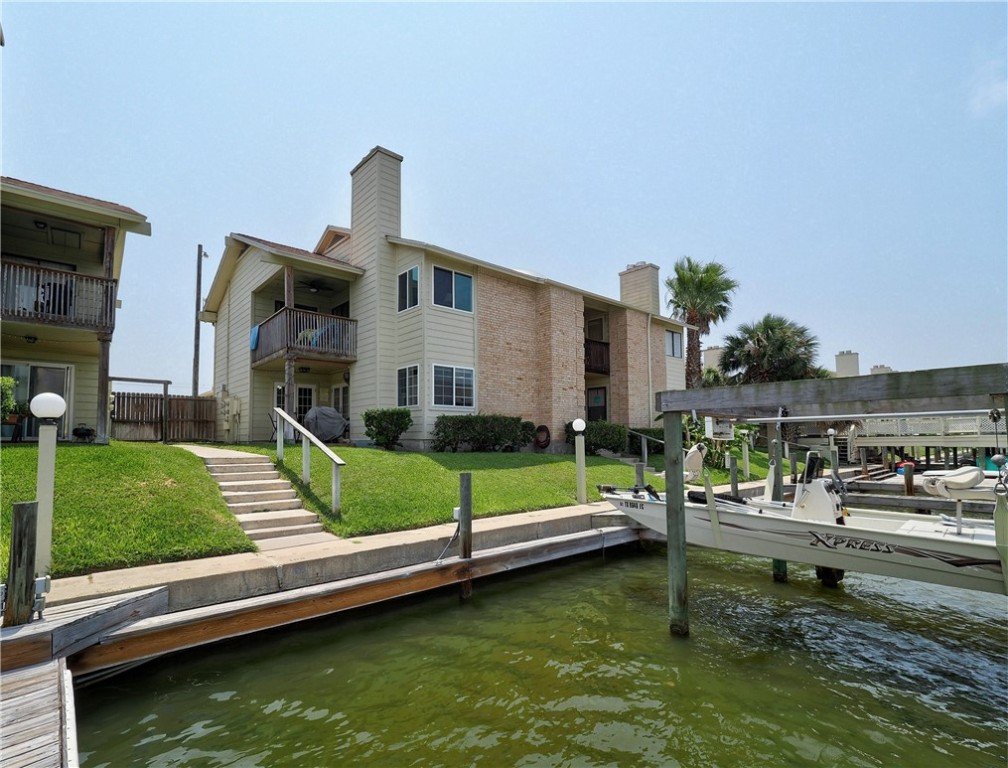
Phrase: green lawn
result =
(130, 504)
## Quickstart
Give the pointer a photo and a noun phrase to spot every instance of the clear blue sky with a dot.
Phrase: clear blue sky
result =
(848, 164)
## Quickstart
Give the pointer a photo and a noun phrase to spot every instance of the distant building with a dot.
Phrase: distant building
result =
(712, 357)
(847, 364)
(882, 369)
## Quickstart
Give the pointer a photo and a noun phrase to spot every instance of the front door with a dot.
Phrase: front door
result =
(595, 397)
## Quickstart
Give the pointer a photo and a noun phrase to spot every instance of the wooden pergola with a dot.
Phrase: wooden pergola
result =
(941, 390)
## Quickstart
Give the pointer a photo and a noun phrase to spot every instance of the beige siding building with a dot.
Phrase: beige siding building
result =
(370, 319)
(62, 258)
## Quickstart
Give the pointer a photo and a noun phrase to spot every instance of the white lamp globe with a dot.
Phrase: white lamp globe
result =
(579, 425)
(48, 405)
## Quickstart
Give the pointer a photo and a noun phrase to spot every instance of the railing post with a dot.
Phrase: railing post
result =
(281, 426)
(733, 473)
(336, 502)
(305, 459)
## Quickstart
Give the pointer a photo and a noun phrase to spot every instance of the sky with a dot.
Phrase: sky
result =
(847, 163)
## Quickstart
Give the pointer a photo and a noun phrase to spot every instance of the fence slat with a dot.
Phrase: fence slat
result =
(136, 416)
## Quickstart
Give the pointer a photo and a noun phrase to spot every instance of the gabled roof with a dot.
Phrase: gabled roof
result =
(236, 244)
(128, 219)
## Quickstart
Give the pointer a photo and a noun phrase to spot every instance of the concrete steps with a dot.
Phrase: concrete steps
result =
(265, 505)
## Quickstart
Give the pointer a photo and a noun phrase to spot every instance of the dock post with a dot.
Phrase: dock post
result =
(21, 566)
(675, 525)
(864, 462)
(777, 494)
(465, 528)
(733, 473)
(745, 460)
(908, 479)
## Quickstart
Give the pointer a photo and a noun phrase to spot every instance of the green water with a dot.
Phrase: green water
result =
(573, 665)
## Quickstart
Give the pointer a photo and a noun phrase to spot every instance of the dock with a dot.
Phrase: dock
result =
(37, 719)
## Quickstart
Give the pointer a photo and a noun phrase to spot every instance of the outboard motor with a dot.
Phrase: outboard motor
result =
(818, 499)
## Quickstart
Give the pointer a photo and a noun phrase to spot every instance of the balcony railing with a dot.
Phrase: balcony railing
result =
(596, 356)
(304, 334)
(55, 297)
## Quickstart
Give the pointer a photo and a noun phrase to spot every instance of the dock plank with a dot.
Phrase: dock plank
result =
(68, 628)
(36, 708)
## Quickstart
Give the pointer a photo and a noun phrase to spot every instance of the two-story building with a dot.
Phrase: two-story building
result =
(370, 319)
(62, 255)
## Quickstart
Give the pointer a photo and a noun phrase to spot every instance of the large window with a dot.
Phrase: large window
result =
(407, 387)
(453, 289)
(673, 344)
(409, 288)
(453, 386)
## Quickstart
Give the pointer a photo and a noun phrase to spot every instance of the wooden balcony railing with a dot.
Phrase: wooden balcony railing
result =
(304, 334)
(55, 297)
(596, 356)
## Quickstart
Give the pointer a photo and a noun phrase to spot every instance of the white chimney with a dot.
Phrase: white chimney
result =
(639, 287)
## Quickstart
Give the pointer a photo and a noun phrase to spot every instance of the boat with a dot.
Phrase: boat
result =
(818, 529)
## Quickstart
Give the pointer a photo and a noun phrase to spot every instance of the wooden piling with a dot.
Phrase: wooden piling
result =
(465, 529)
(777, 494)
(675, 525)
(908, 479)
(21, 566)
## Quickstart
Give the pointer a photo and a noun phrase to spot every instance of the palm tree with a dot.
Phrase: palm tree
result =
(701, 295)
(772, 349)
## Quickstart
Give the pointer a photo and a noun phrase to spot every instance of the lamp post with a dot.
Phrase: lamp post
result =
(579, 458)
(47, 407)
(834, 456)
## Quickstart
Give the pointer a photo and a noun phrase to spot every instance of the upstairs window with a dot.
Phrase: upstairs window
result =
(673, 344)
(452, 289)
(409, 288)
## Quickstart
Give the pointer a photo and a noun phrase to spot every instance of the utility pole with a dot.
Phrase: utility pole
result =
(200, 255)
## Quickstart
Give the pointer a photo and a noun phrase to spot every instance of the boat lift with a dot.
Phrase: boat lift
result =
(938, 391)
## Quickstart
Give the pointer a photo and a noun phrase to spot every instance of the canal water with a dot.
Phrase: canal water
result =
(573, 665)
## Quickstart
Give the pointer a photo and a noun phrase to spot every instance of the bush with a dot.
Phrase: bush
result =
(600, 435)
(481, 432)
(7, 403)
(633, 445)
(386, 425)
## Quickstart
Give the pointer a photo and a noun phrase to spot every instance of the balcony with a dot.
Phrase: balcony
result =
(304, 335)
(596, 356)
(54, 297)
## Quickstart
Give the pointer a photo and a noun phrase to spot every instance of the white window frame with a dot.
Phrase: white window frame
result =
(416, 387)
(670, 343)
(454, 275)
(455, 369)
(399, 297)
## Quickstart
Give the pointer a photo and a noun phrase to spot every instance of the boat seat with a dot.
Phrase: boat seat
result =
(961, 483)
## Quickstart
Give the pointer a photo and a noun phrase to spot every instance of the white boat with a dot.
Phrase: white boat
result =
(817, 529)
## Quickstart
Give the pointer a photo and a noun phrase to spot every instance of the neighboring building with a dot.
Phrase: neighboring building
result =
(61, 260)
(712, 357)
(369, 319)
(847, 364)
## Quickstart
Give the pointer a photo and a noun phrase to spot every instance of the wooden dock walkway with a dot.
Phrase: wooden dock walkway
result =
(37, 718)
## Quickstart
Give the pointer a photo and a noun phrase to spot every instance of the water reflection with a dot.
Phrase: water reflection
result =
(573, 666)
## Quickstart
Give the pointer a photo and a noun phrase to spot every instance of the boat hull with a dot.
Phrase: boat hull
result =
(918, 547)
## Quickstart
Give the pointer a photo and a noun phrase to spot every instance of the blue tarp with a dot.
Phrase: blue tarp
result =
(254, 337)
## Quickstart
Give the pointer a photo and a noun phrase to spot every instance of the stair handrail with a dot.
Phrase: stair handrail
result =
(307, 440)
(643, 442)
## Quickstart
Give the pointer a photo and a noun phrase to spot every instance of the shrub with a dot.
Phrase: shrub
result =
(633, 445)
(8, 404)
(480, 432)
(386, 425)
(600, 435)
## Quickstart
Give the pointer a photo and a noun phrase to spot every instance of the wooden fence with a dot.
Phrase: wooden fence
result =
(142, 416)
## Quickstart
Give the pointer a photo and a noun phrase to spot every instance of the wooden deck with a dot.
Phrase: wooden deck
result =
(37, 719)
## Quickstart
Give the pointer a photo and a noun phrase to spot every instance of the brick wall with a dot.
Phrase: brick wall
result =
(531, 351)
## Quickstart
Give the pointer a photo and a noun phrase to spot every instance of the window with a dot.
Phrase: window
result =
(452, 289)
(407, 386)
(409, 288)
(673, 343)
(453, 386)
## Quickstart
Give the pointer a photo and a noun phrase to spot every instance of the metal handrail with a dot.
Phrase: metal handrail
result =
(307, 440)
(643, 443)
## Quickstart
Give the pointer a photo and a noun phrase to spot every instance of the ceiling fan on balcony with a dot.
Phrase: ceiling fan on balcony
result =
(316, 285)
